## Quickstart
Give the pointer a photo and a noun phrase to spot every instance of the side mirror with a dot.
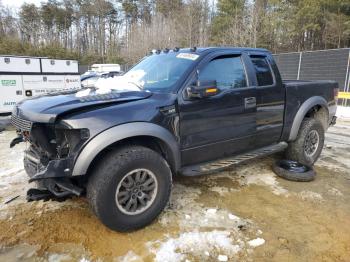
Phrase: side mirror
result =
(202, 89)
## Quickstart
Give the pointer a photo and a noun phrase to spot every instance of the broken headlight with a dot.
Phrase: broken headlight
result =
(69, 141)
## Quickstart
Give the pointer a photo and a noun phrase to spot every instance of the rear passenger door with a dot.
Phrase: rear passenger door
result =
(270, 100)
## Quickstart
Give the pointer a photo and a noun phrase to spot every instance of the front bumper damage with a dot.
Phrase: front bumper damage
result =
(53, 180)
(49, 160)
(55, 168)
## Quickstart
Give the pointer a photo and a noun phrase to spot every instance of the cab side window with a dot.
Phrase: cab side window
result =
(228, 71)
(263, 70)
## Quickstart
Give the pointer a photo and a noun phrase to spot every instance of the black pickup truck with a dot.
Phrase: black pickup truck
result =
(183, 111)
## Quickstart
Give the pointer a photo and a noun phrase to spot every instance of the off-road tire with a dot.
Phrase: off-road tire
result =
(295, 150)
(307, 176)
(107, 174)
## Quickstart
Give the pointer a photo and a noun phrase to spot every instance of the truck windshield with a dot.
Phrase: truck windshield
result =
(156, 73)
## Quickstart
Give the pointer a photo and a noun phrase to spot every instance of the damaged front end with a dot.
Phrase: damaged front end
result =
(49, 158)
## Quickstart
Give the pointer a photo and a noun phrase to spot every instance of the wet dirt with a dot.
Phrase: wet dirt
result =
(245, 214)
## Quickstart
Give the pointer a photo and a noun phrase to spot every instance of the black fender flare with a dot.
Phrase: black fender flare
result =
(120, 132)
(303, 109)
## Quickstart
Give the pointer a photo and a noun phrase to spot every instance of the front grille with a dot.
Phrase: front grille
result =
(21, 124)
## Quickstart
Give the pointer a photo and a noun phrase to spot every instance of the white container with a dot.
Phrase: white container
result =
(34, 85)
(19, 64)
(11, 92)
(72, 81)
(23, 77)
(58, 66)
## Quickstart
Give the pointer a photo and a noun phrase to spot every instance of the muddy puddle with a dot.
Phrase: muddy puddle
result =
(245, 214)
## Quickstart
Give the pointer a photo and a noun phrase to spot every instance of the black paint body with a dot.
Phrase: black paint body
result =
(204, 129)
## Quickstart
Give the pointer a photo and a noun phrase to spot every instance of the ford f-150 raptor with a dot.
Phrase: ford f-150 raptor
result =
(188, 111)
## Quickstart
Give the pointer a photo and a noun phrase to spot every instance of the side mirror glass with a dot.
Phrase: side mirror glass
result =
(202, 89)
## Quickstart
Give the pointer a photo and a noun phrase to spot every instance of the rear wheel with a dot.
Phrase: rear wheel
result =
(308, 145)
(129, 187)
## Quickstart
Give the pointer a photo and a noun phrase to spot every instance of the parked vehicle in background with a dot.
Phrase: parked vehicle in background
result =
(97, 71)
(104, 68)
(183, 111)
(112, 74)
(90, 78)
(22, 77)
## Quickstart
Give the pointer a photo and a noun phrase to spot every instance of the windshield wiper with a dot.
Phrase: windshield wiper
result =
(139, 86)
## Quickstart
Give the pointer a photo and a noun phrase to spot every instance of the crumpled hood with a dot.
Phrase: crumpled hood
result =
(46, 108)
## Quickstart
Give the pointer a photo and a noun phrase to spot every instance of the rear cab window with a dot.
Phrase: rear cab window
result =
(228, 71)
(263, 70)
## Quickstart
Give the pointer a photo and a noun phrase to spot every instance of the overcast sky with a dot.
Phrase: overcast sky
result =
(18, 3)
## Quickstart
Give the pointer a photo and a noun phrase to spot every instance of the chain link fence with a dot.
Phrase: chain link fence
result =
(332, 64)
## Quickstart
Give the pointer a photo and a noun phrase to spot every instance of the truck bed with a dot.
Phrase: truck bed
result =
(298, 91)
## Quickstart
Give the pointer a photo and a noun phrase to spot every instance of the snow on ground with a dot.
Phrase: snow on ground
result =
(200, 245)
(22, 252)
(309, 195)
(335, 192)
(12, 176)
(129, 257)
(207, 232)
(203, 246)
(256, 242)
(343, 112)
(222, 191)
(266, 179)
(257, 174)
(190, 213)
(337, 145)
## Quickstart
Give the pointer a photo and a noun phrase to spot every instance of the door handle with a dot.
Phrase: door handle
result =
(249, 102)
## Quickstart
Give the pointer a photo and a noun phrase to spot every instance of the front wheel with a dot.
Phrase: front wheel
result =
(308, 145)
(129, 188)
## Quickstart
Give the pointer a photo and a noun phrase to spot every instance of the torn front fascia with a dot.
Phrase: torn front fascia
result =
(54, 180)
(55, 189)
(54, 169)
(68, 143)
(16, 140)
(22, 136)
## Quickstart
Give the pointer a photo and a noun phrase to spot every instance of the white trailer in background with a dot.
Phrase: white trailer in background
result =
(23, 77)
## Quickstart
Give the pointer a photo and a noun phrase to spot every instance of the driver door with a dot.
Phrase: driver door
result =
(224, 124)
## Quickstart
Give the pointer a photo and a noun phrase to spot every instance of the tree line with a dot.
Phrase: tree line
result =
(123, 31)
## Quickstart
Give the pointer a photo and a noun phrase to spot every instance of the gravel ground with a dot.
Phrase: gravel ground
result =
(245, 214)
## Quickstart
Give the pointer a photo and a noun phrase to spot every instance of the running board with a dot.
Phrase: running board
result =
(224, 163)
